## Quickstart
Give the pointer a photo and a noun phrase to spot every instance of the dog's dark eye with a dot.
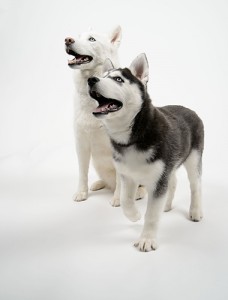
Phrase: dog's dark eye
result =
(118, 79)
(91, 39)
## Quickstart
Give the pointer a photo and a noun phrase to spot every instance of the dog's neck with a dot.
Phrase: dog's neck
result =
(85, 74)
(84, 102)
(81, 76)
(119, 130)
(133, 129)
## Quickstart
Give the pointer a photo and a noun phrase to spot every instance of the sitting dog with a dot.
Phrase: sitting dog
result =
(89, 52)
(149, 144)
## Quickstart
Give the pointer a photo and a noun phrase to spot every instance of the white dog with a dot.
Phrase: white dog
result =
(89, 52)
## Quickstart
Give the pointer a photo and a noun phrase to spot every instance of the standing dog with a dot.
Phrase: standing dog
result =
(149, 144)
(89, 52)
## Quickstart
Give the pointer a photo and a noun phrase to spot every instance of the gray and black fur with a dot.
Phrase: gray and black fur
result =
(173, 131)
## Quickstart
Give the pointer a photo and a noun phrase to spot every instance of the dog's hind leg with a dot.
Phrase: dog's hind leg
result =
(107, 174)
(193, 165)
(97, 185)
(171, 191)
(106, 171)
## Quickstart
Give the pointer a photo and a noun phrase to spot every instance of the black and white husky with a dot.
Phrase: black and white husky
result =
(149, 144)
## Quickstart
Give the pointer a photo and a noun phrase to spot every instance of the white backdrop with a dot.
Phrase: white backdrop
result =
(49, 248)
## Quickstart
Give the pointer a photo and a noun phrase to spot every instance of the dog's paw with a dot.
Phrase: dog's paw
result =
(97, 185)
(146, 245)
(195, 214)
(80, 196)
(141, 193)
(115, 201)
(168, 207)
(132, 214)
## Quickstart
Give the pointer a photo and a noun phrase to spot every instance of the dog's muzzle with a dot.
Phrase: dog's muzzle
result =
(105, 105)
(78, 59)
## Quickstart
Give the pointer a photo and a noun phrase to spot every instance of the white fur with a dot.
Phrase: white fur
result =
(90, 136)
(191, 164)
(134, 165)
(171, 191)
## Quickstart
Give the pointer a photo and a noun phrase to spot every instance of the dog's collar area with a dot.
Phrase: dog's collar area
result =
(78, 58)
(106, 105)
(117, 145)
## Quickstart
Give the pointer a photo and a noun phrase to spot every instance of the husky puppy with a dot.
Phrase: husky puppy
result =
(149, 144)
(89, 51)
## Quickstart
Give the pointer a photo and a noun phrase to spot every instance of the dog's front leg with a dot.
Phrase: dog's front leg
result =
(115, 201)
(155, 207)
(128, 190)
(83, 155)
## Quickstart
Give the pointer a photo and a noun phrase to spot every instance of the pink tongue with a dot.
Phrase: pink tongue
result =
(102, 108)
(106, 108)
(79, 59)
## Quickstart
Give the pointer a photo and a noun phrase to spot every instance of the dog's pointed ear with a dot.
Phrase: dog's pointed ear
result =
(108, 65)
(140, 68)
(116, 35)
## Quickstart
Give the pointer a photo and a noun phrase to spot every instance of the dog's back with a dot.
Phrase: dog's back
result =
(184, 133)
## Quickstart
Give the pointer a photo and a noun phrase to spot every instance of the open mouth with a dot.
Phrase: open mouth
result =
(78, 58)
(106, 105)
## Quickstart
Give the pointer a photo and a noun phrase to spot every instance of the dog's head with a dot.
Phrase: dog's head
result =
(91, 49)
(121, 91)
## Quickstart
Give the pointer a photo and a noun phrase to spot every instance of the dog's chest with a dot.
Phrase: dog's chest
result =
(83, 113)
(137, 165)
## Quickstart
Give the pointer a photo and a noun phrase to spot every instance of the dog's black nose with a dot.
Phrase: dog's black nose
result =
(93, 80)
(69, 41)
